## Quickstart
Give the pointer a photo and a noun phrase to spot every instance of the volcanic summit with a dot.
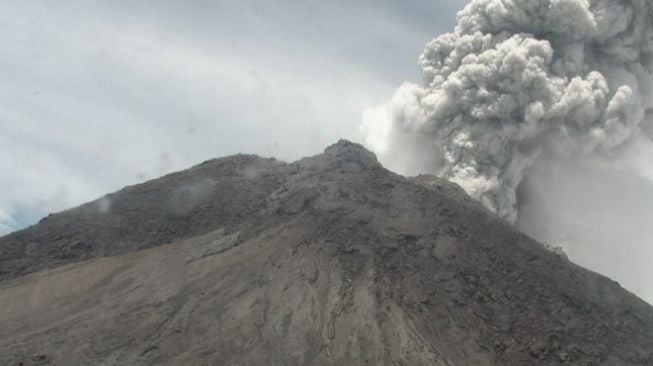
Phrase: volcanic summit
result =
(329, 260)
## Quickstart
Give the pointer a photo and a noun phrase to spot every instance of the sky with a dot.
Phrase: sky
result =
(96, 95)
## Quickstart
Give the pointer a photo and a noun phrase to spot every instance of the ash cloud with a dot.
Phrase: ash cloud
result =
(517, 81)
(541, 110)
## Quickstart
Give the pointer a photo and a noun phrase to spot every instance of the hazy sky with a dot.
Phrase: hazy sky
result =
(95, 95)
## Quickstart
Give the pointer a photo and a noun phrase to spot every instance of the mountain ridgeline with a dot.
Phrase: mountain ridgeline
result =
(330, 260)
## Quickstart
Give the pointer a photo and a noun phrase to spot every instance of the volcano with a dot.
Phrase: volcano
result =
(329, 260)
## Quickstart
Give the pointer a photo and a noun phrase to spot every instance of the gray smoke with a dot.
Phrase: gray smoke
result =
(519, 82)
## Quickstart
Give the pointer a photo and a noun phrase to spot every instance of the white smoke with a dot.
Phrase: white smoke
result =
(519, 81)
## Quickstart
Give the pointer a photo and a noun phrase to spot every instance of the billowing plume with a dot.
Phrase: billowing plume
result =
(518, 81)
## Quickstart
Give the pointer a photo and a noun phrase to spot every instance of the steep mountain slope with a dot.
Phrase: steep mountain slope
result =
(223, 193)
(331, 260)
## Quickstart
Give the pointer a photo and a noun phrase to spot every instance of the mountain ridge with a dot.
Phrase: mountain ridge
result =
(328, 260)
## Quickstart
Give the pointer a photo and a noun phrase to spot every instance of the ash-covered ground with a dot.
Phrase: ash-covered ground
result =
(330, 260)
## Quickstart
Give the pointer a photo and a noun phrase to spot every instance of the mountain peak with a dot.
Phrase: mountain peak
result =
(342, 156)
(330, 260)
(350, 150)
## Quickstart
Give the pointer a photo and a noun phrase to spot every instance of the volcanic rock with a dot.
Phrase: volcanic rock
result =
(330, 260)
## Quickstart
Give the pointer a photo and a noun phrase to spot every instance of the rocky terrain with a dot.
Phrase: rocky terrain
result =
(330, 260)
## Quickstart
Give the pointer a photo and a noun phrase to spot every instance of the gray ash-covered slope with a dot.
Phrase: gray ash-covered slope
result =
(331, 260)
(223, 193)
